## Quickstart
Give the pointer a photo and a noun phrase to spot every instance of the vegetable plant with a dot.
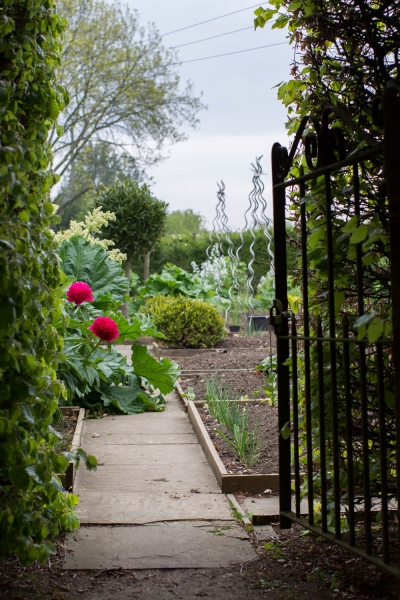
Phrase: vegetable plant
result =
(97, 376)
(225, 408)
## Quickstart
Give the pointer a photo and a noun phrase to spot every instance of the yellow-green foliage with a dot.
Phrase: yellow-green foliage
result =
(185, 322)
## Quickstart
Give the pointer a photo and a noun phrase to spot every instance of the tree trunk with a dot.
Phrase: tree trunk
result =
(146, 265)
(125, 307)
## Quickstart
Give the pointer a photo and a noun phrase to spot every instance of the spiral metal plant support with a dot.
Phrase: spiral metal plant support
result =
(225, 233)
(264, 221)
(217, 230)
(252, 208)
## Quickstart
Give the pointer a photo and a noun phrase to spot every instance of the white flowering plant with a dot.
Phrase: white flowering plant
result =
(88, 229)
(217, 272)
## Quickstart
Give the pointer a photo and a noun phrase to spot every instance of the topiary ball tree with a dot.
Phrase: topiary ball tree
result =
(140, 219)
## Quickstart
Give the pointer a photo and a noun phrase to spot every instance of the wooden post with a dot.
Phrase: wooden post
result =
(146, 265)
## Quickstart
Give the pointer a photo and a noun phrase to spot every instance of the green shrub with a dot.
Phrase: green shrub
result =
(186, 323)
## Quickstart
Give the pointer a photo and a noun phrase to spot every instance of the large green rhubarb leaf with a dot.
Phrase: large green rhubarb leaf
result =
(133, 329)
(131, 399)
(161, 374)
(83, 261)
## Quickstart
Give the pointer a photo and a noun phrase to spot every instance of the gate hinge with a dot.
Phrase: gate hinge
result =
(277, 319)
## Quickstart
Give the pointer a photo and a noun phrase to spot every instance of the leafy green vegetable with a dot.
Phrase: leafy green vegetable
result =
(82, 261)
(162, 374)
(131, 399)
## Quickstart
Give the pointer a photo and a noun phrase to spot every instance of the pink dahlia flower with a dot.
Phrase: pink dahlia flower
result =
(79, 292)
(105, 328)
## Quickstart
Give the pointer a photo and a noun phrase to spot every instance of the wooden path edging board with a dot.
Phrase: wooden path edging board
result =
(175, 352)
(200, 403)
(229, 484)
(68, 478)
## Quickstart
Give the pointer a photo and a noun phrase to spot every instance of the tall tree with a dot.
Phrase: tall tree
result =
(97, 164)
(124, 89)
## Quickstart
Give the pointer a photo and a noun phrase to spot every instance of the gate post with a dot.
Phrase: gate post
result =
(278, 157)
(391, 113)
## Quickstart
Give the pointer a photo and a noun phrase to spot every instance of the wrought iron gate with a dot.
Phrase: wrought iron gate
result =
(339, 390)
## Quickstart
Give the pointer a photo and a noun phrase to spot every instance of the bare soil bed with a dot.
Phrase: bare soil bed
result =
(260, 340)
(66, 427)
(261, 415)
(234, 363)
(235, 366)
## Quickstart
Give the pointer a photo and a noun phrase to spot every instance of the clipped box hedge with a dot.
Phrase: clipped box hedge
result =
(186, 323)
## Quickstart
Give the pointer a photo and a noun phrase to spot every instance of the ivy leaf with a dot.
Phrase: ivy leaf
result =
(69, 521)
(50, 548)
(351, 225)
(20, 477)
(338, 299)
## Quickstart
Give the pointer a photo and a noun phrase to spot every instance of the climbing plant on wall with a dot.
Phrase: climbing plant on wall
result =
(33, 507)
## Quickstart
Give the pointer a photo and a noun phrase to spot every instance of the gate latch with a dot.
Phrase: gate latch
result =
(276, 319)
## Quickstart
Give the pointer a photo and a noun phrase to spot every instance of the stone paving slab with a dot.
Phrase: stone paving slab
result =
(186, 455)
(138, 439)
(172, 421)
(142, 507)
(157, 546)
(142, 478)
(264, 532)
(153, 478)
(268, 506)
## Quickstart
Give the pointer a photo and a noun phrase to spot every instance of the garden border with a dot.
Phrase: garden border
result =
(229, 483)
(68, 478)
(160, 352)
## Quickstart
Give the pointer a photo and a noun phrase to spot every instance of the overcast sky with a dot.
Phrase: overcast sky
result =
(244, 116)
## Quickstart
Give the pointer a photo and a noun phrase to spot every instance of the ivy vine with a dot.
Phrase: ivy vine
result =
(33, 507)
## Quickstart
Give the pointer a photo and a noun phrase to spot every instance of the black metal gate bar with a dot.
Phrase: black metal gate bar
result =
(349, 434)
(322, 437)
(332, 352)
(282, 345)
(306, 317)
(295, 420)
(340, 347)
(382, 444)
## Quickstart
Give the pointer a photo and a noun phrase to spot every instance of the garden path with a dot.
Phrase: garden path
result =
(153, 501)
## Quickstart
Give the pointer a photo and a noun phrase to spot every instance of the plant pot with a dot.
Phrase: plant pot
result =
(234, 328)
(258, 322)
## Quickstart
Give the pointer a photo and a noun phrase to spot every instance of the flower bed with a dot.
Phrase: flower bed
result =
(254, 483)
(76, 415)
